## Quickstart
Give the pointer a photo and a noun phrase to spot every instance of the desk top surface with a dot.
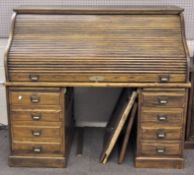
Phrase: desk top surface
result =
(100, 9)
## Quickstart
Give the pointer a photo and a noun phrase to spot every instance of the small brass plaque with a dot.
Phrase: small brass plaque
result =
(96, 78)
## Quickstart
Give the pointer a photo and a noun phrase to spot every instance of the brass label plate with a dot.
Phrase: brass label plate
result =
(96, 78)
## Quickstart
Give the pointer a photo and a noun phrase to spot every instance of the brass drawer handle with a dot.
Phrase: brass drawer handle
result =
(162, 100)
(36, 116)
(35, 99)
(161, 150)
(162, 118)
(164, 78)
(37, 149)
(36, 133)
(34, 77)
(160, 134)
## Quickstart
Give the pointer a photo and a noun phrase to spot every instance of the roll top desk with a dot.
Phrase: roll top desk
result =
(53, 49)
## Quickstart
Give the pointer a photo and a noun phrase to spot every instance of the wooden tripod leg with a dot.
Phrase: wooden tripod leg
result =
(80, 140)
(127, 135)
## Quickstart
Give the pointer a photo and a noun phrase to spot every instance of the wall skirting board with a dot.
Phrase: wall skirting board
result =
(3, 113)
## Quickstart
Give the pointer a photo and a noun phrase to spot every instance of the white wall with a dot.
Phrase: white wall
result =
(3, 110)
(6, 7)
(3, 113)
(191, 47)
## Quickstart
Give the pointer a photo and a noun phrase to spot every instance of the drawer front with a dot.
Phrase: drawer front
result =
(164, 116)
(160, 149)
(92, 77)
(162, 99)
(36, 148)
(161, 133)
(41, 133)
(35, 115)
(34, 98)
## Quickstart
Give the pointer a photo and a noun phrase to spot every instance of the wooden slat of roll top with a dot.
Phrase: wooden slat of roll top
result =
(100, 61)
(78, 63)
(96, 67)
(121, 48)
(96, 71)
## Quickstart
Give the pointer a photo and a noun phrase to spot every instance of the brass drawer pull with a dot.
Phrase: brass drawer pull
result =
(36, 116)
(160, 134)
(162, 100)
(35, 99)
(37, 149)
(162, 118)
(161, 150)
(164, 78)
(36, 133)
(34, 77)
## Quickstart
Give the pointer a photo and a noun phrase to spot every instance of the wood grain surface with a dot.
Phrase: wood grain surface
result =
(97, 48)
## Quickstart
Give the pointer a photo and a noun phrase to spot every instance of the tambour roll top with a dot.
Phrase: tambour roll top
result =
(105, 44)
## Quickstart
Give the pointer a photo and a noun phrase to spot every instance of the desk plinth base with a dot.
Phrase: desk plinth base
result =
(152, 162)
(34, 161)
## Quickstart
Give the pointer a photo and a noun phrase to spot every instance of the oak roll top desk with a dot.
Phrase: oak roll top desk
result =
(53, 49)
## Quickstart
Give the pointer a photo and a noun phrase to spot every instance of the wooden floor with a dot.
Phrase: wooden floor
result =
(88, 163)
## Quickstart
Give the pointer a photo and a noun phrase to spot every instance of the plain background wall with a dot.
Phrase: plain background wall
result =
(3, 108)
(6, 7)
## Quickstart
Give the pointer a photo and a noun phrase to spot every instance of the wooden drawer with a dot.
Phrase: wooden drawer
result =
(163, 99)
(36, 148)
(35, 114)
(160, 149)
(34, 98)
(42, 131)
(164, 133)
(164, 116)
